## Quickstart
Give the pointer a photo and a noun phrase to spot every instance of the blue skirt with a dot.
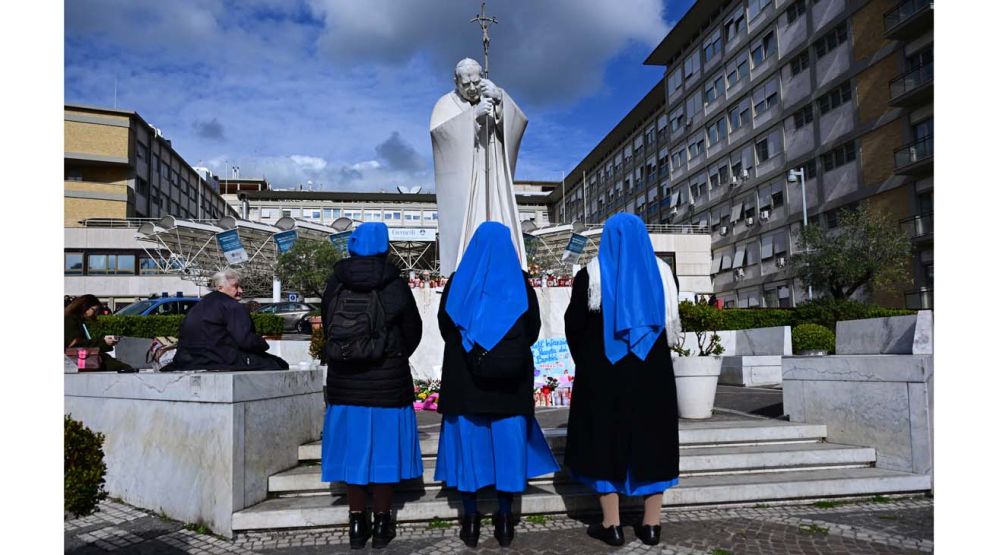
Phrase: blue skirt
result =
(362, 445)
(477, 451)
(629, 487)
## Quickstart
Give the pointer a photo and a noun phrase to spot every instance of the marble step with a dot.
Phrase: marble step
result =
(691, 434)
(331, 510)
(702, 460)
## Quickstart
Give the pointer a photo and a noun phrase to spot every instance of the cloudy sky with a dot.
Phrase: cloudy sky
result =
(339, 92)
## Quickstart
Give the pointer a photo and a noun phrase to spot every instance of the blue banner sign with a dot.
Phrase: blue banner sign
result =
(286, 239)
(229, 243)
(339, 240)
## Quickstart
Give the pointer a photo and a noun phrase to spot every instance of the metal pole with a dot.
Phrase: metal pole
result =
(805, 211)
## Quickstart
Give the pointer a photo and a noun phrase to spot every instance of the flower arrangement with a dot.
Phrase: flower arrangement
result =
(427, 394)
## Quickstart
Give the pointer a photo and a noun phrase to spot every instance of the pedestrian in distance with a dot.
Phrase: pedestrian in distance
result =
(622, 434)
(488, 318)
(80, 313)
(371, 327)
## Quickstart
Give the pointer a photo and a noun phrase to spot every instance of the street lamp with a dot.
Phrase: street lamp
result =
(800, 173)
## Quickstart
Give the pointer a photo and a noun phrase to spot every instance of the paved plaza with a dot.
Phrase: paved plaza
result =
(894, 524)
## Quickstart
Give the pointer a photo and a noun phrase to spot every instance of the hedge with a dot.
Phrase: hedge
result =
(813, 337)
(85, 471)
(825, 312)
(168, 326)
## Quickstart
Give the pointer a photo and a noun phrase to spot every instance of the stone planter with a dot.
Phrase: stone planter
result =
(695, 383)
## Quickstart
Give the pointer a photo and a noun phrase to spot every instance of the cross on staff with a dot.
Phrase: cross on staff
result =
(484, 20)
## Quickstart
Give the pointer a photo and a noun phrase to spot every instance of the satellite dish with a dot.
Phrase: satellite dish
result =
(341, 224)
(527, 226)
(578, 227)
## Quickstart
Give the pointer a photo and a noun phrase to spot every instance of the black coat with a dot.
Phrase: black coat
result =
(386, 383)
(218, 334)
(625, 415)
(463, 393)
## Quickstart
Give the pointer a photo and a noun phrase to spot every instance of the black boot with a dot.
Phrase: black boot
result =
(359, 529)
(504, 528)
(613, 535)
(384, 530)
(470, 532)
(649, 535)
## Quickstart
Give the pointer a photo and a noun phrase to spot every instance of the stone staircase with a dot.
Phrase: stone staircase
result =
(721, 462)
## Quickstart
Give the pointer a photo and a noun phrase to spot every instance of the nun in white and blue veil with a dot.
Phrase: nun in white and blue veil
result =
(622, 435)
(489, 319)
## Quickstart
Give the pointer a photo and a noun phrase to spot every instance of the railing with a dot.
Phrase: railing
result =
(917, 226)
(902, 12)
(681, 229)
(132, 222)
(911, 80)
(912, 153)
(919, 299)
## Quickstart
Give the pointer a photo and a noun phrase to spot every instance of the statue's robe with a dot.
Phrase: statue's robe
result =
(459, 148)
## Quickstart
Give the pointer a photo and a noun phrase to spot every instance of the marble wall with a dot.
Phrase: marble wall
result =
(197, 446)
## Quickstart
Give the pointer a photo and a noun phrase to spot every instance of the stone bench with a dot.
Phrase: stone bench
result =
(197, 446)
(751, 357)
(876, 391)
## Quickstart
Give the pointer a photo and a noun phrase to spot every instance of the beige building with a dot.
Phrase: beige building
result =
(117, 165)
(838, 90)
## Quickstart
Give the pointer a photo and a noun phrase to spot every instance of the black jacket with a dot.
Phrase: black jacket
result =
(387, 383)
(625, 415)
(218, 334)
(463, 393)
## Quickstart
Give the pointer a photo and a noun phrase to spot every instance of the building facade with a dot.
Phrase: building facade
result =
(839, 91)
(119, 166)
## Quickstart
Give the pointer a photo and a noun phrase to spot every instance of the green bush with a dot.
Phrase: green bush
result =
(826, 312)
(85, 471)
(168, 326)
(749, 318)
(315, 346)
(813, 337)
(704, 320)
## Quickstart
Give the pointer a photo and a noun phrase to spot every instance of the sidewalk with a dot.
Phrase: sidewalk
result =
(875, 525)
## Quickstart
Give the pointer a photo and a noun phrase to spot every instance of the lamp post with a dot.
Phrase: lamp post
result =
(800, 173)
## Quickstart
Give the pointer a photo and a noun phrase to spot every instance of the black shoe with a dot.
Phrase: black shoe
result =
(613, 535)
(649, 535)
(384, 530)
(504, 528)
(359, 529)
(470, 532)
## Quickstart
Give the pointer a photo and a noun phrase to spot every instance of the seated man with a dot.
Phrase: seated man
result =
(218, 334)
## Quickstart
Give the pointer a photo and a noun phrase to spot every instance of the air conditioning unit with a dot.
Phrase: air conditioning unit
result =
(781, 262)
(724, 230)
(738, 273)
(734, 181)
(675, 210)
(692, 201)
(765, 214)
(744, 174)
(688, 122)
(750, 220)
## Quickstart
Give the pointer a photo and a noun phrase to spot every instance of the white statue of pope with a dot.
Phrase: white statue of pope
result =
(469, 155)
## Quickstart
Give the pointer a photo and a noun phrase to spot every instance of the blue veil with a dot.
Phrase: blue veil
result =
(487, 295)
(368, 239)
(632, 294)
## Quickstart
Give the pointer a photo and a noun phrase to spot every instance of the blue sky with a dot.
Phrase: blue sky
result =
(339, 92)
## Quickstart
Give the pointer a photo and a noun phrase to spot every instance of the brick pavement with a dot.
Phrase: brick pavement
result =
(865, 526)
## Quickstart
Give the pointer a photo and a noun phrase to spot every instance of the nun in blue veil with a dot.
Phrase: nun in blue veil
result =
(488, 317)
(622, 436)
(370, 435)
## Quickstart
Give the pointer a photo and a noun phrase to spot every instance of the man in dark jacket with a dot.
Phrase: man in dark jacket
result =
(218, 333)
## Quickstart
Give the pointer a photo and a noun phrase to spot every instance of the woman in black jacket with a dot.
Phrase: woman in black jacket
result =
(80, 310)
(370, 436)
(623, 421)
(488, 317)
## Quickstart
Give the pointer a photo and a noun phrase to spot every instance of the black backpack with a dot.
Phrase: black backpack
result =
(357, 328)
(507, 360)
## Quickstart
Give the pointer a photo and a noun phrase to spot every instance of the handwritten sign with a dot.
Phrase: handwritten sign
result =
(552, 359)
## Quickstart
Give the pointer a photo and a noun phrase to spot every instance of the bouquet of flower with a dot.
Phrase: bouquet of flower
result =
(427, 394)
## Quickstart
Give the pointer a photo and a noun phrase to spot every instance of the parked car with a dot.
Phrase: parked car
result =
(159, 306)
(295, 315)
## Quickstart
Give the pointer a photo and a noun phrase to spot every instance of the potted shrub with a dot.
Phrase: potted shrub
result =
(813, 340)
(696, 374)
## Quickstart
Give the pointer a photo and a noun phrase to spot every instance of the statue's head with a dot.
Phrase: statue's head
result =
(467, 78)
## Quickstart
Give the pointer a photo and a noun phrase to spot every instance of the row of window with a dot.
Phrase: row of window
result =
(95, 263)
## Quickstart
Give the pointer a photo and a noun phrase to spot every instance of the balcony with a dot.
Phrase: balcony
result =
(918, 228)
(913, 88)
(919, 299)
(914, 159)
(909, 19)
